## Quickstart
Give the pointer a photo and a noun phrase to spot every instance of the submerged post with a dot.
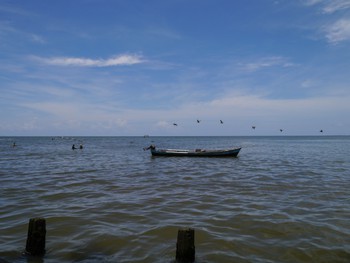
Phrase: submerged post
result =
(185, 249)
(36, 237)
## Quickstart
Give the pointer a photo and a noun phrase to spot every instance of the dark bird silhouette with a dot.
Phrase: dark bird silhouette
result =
(321, 130)
(221, 122)
(198, 121)
(175, 124)
(253, 127)
(281, 130)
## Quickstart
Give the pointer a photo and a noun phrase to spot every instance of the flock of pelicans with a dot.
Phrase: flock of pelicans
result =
(221, 122)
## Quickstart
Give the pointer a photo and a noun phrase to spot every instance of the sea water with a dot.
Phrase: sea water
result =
(284, 199)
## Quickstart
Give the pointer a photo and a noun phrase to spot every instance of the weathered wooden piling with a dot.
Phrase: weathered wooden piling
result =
(185, 249)
(36, 237)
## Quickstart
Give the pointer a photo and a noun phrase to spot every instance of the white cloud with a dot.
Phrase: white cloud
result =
(329, 6)
(163, 124)
(238, 110)
(265, 63)
(121, 60)
(339, 31)
(55, 108)
(14, 10)
(37, 39)
(78, 115)
(335, 5)
(312, 2)
(308, 83)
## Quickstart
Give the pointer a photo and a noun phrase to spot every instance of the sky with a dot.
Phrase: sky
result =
(135, 67)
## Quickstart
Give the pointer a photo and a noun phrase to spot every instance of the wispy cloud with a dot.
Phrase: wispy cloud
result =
(37, 39)
(14, 10)
(335, 5)
(329, 6)
(9, 31)
(231, 107)
(311, 2)
(120, 60)
(265, 62)
(6, 27)
(338, 32)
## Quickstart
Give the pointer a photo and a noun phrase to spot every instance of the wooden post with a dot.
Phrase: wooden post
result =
(185, 249)
(36, 237)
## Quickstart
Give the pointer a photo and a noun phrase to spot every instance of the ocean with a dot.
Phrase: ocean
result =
(283, 199)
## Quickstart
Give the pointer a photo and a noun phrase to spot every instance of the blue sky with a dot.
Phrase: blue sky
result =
(134, 67)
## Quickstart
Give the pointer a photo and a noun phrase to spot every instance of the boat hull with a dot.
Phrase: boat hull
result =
(196, 153)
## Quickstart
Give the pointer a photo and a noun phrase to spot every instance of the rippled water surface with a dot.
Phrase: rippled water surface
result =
(284, 199)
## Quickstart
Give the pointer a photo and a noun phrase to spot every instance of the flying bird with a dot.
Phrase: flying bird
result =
(253, 127)
(321, 130)
(198, 121)
(221, 122)
(175, 124)
(281, 130)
